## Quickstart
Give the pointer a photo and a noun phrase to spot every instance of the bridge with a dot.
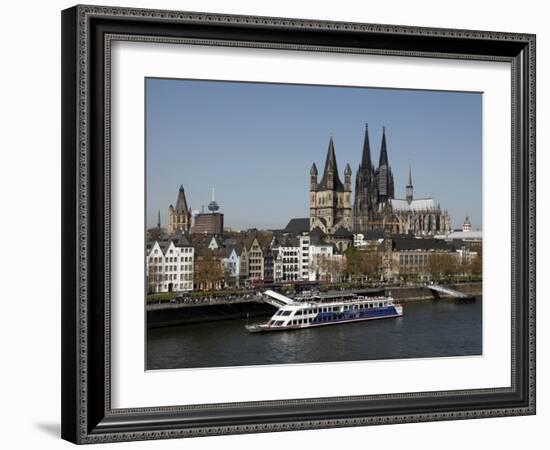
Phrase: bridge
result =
(438, 289)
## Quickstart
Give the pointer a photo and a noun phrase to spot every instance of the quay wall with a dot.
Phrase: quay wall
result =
(421, 293)
(171, 315)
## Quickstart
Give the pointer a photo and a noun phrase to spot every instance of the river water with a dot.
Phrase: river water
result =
(427, 329)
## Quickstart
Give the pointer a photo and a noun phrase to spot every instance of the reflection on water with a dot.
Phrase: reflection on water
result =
(426, 330)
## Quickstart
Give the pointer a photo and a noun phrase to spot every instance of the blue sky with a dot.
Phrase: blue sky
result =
(256, 142)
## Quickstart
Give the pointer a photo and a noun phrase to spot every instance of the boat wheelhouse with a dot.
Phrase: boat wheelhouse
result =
(313, 310)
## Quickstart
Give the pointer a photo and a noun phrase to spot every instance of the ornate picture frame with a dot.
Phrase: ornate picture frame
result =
(87, 35)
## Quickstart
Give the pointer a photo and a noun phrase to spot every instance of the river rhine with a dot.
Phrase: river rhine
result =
(427, 329)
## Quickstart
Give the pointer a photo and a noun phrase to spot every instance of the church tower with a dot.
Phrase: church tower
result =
(330, 199)
(384, 175)
(366, 190)
(179, 218)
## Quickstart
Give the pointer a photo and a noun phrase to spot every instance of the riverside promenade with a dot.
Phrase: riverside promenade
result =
(188, 310)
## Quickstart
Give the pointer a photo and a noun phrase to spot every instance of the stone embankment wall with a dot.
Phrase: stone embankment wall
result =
(420, 293)
(170, 315)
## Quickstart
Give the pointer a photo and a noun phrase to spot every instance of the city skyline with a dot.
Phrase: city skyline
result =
(256, 142)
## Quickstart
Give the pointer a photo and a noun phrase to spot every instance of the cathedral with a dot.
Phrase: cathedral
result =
(375, 206)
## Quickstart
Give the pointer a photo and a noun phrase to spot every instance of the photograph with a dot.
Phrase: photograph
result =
(273, 222)
(284, 221)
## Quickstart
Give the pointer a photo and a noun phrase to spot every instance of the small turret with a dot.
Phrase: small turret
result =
(347, 178)
(313, 177)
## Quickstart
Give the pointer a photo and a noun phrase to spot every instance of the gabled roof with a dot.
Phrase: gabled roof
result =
(297, 226)
(286, 241)
(343, 233)
(180, 239)
(317, 237)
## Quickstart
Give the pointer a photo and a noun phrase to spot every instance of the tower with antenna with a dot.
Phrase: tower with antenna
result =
(213, 206)
(209, 222)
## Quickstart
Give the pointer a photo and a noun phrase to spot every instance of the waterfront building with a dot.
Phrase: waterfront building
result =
(375, 206)
(243, 263)
(287, 261)
(232, 263)
(210, 273)
(304, 242)
(324, 262)
(255, 247)
(411, 256)
(169, 265)
(179, 217)
(422, 258)
(330, 199)
(269, 266)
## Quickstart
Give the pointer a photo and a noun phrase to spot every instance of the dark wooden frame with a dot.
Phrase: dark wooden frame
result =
(87, 31)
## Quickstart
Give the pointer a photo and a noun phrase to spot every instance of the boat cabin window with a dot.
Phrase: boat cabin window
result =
(278, 323)
(287, 313)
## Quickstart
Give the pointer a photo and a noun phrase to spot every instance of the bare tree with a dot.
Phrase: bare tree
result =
(209, 272)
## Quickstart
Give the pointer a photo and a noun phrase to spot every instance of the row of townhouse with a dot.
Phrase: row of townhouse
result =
(169, 265)
(281, 259)
(186, 263)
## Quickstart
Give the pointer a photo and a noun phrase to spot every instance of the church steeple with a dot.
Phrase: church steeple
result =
(179, 218)
(384, 175)
(181, 203)
(409, 188)
(158, 221)
(365, 159)
(331, 179)
(383, 150)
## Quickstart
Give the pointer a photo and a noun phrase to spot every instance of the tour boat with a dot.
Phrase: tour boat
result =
(308, 311)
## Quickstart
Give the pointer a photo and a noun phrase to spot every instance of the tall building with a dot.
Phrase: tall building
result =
(209, 223)
(375, 206)
(179, 218)
(330, 199)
